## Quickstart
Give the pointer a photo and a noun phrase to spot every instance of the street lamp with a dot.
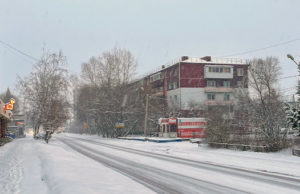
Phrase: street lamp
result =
(298, 65)
(293, 59)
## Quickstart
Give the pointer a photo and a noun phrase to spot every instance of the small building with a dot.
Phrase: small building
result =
(16, 127)
(182, 127)
(5, 117)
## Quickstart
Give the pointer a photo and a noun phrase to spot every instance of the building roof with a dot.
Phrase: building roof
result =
(213, 60)
(202, 60)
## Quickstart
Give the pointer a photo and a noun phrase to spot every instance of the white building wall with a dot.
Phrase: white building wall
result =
(171, 98)
(196, 96)
(186, 96)
(192, 95)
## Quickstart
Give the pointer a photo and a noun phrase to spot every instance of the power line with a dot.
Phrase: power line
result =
(288, 89)
(288, 77)
(19, 51)
(263, 48)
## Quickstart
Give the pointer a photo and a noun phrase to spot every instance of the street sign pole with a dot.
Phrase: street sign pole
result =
(146, 115)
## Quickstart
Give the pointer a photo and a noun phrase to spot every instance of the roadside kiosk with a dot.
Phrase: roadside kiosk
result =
(5, 117)
(187, 128)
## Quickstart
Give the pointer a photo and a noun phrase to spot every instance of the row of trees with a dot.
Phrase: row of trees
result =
(106, 95)
(103, 95)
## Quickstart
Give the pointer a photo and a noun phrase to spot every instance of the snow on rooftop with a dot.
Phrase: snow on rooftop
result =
(215, 60)
(187, 59)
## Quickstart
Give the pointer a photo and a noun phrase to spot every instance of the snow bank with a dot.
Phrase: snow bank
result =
(32, 166)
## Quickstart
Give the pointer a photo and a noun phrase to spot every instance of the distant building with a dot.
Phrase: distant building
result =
(17, 126)
(197, 82)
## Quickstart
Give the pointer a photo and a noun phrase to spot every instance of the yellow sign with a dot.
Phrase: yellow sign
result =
(10, 105)
(85, 126)
(120, 125)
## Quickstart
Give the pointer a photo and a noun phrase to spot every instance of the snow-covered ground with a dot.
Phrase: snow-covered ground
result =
(31, 166)
(73, 163)
(280, 162)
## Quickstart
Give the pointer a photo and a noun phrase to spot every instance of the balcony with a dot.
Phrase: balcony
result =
(218, 72)
(218, 102)
(218, 90)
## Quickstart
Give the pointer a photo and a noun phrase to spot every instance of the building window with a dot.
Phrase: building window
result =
(219, 69)
(175, 85)
(157, 76)
(170, 86)
(173, 128)
(161, 75)
(211, 96)
(239, 84)
(226, 84)
(240, 71)
(211, 83)
(227, 70)
(175, 72)
(175, 98)
(226, 97)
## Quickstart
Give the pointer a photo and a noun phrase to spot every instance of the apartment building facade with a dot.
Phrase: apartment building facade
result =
(192, 82)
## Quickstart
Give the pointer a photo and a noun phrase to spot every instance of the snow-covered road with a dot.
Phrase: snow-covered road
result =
(157, 179)
(89, 164)
(183, 175)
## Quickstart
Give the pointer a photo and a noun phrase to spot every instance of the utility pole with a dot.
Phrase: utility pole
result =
(294, 100)
(123, 105)
(146, 115)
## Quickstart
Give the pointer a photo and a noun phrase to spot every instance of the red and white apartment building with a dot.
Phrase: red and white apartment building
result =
(205, 81)
(192, 83)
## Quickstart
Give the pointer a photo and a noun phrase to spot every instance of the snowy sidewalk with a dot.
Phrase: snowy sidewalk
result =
(32, 166)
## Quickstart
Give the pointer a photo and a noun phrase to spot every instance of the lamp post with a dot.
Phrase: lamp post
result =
(146, 112)
(296, 141)
(146, 115)
(298, 66)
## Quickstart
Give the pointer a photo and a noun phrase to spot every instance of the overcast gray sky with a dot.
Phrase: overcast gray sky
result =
(156, 31)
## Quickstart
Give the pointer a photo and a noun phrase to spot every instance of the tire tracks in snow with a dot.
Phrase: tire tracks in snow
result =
(267, 177)
(160, 181)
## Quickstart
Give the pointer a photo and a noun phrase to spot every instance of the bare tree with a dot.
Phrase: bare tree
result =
(264, 107)
(105, 84)
(219, 125)
(45, 91)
